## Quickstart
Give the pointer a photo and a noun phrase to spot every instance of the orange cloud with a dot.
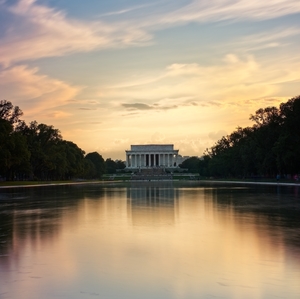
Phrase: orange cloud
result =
(33, 92)
(234, 81)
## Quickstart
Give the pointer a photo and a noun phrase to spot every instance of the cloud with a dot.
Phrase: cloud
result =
(202, 11)
(142, 106)
(268, 39)
(220, 10)
(137, 106)
(126, 10)
(217, 135)
(158, 137)
(120, 141)
(192, 145)
(32, 31)
(58, 114)
(33, 92)
(35, 31)
(237, 83)
(201, 85)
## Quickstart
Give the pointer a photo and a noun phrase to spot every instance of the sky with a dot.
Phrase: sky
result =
(112, 73)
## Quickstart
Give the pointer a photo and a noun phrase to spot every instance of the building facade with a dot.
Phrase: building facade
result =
(151, 156)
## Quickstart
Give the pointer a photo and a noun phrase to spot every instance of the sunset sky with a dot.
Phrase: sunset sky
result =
(112, 73)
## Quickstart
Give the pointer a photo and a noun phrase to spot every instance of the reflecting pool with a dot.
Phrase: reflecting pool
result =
(150, 240)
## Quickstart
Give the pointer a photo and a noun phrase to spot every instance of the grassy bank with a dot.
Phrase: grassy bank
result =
(43, 183)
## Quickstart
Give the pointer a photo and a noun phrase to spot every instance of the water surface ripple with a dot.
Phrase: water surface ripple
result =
(150, 240)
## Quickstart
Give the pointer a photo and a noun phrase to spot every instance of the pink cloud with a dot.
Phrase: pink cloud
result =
(38, 31)
(33, 92)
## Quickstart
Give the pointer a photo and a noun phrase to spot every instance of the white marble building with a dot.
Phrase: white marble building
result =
(152, 155)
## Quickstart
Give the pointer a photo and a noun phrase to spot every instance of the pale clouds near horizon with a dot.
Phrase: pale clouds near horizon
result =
(111, 76)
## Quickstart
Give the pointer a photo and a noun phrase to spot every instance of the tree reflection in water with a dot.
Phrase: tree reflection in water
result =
(150, 240)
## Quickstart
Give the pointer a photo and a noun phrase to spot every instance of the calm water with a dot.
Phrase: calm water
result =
(150, 241)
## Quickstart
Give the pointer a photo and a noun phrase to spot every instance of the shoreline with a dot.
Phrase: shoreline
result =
(116, 182)
(51, 184)
(254, 183)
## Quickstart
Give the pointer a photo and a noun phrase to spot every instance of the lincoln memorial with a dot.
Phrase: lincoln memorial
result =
(151, 156)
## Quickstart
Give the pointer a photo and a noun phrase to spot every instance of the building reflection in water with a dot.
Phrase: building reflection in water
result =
(151, 204)
(150, 240)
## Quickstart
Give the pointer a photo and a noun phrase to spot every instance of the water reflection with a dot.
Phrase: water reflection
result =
(152, 204)
(150, 240)
(265, 208)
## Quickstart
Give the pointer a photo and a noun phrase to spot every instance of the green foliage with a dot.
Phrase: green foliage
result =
(98, 163)
(192, 164)
(271, 146)
(38, 151)
(14, 153)
(35, 151)
(112, 166)
(89, 169)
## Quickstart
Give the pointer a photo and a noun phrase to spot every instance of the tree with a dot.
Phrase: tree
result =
(98, 162)
(287, 147)
(42, 142)
(14, 153)
(74, 159)
(10, 113)
(110, 166)
(269, 147)
(120, 164)
(89, 169)
(266, 116)
(192, 164)
(38, 150)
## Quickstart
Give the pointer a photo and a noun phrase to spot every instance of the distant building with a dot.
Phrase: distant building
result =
(152, 156)
(180, 159)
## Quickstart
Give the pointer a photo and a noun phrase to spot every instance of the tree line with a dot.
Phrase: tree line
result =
(269, 148)
(38, 152)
